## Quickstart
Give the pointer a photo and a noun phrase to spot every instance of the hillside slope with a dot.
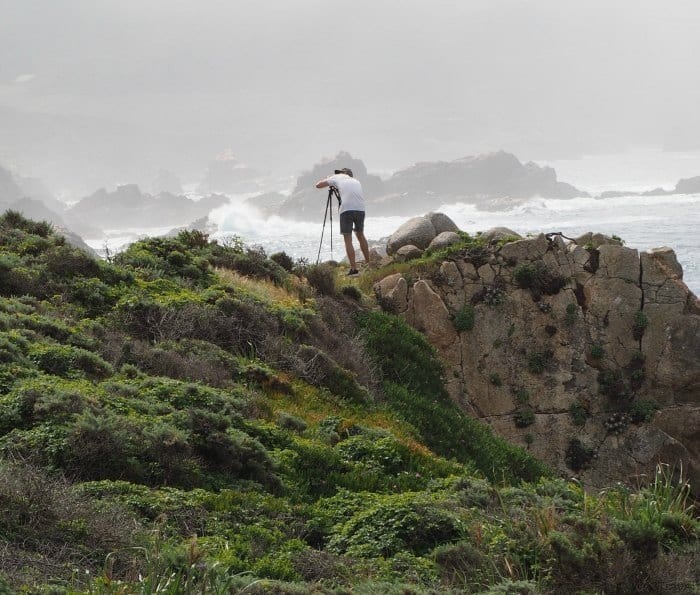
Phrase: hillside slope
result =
(194, 417)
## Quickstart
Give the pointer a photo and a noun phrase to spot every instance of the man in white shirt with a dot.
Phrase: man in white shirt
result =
(352, 212)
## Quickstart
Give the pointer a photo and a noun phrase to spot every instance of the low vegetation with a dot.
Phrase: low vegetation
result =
(194, 417)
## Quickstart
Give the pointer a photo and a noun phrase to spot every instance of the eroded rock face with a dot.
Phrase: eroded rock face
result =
(587, 354)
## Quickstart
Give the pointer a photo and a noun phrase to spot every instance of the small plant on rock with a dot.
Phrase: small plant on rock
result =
(537, 361)
(524, 417)
(639, 325)
(464, 319)
(597, 352)
(642, 411)
(611, 384)
(579, 455)
(579, 413)
(522, 396)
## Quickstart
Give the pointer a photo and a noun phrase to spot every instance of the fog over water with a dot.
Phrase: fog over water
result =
(102, 93)
(97, 94)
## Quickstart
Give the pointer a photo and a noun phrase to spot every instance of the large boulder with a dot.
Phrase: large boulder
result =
(496, 234)
(443, 240)
(408, 252)
(442, 223)
(428, 313)
(392, 293)
(417, 231)
(527, 249)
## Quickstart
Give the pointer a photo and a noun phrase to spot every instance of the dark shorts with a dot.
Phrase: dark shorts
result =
(348, 218)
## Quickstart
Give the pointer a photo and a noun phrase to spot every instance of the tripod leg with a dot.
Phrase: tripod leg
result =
(330, 206)
(328, 202)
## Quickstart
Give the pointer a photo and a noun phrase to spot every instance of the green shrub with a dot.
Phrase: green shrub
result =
(384, 453)
(495, 379)
(578, 455)
(642, 537)
(637, 378)
(291, 422)
(67, 361)
(579, 413)
(393, 524)
(352, 292)
(284, 260)
(11, 349)
(66, 262)
(404, 354)
(464, 319)
(229, 450)
(12, 219)
(612, 384)
(322, 278)
(538, 279)
(525, 275)
(15, 278)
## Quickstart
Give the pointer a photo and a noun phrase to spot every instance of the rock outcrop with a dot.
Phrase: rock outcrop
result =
(582, 351)
(127, 206)
(479, 180)
(683, 186)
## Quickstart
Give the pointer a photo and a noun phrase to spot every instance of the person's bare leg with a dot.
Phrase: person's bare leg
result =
(364, 246)
(349, 250)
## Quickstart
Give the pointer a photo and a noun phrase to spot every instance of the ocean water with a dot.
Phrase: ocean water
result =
(642, 222)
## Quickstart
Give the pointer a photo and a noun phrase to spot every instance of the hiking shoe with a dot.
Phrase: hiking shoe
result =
(353, 273)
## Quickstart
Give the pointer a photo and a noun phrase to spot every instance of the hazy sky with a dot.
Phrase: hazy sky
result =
(393, 81)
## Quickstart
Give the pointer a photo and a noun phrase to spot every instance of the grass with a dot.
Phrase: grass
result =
(266, 291)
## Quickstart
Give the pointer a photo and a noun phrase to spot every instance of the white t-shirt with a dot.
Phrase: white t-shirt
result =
(350, 192)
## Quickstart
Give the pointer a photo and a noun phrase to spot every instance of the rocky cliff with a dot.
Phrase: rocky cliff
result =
(582, 350)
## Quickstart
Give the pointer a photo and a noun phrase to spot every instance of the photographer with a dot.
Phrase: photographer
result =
(352, 212)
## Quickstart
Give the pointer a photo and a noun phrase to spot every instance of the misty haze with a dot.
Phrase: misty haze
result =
(111, 115)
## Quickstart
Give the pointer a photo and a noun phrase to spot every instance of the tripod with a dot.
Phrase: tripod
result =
(331, 191)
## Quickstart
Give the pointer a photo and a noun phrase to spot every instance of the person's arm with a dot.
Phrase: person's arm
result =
(322, 183)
